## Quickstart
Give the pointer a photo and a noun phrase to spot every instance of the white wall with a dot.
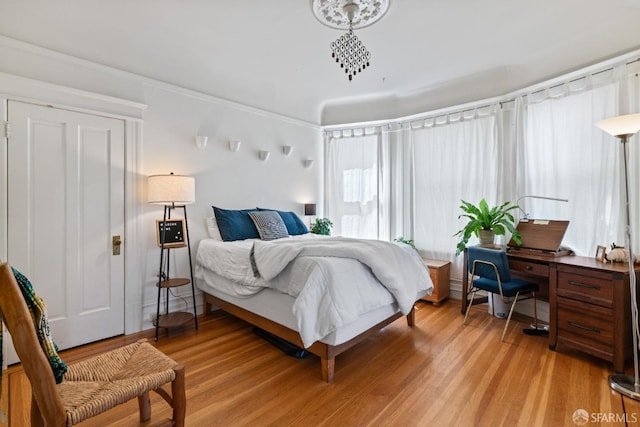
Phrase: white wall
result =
(223, 178)
(161, 140)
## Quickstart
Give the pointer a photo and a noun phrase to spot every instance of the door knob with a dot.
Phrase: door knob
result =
(115, 243)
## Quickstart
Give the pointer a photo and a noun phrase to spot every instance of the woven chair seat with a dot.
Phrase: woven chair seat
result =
(93, 386)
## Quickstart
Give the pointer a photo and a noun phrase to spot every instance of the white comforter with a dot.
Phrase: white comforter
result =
(398, 268)
(332, 285)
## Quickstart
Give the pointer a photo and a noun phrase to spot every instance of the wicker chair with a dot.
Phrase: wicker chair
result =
(92, 386)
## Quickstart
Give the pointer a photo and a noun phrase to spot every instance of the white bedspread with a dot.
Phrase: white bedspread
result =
(329, 290)
(230, 260)
(398, 268)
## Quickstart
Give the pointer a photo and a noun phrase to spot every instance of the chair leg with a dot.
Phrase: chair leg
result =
(513, 305)
(469, 304)
(36, 416)
(179, 399)
(144, 403)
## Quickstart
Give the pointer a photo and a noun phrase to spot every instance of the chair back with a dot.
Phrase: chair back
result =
(495, 257)
(19, 322)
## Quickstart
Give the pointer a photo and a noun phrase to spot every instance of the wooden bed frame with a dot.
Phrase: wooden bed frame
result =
(326, 352)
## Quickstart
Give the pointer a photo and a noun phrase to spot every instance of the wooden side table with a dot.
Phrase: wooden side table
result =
(439, 272)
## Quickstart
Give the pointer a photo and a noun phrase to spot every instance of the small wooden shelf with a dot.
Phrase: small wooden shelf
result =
(172, 283)
(173, 233)
(172, 320)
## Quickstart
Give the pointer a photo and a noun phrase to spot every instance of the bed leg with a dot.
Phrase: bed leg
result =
(207, 307)
(328, 366)
(411, 317)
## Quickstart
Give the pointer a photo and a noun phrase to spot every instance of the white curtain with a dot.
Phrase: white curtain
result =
(395, 184)
(455, 158)
(563, 155)
(408, 179)
(633, 106)
(352, 184)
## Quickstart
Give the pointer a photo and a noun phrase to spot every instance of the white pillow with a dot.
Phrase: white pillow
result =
(212, 227)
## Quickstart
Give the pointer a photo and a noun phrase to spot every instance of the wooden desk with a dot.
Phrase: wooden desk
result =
(589, 303)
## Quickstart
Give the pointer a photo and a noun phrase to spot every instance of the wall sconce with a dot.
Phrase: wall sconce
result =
(308, 163)
(234, 146)
(201, 141)
(264, 155)
(287, 149)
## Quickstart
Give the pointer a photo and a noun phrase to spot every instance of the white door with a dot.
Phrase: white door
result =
(65, 205)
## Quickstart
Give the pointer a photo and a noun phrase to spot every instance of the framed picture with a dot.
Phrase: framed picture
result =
(601, 251)
(173, 231)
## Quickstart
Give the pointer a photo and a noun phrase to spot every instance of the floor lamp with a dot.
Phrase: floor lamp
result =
(624, 127)
(174, 192)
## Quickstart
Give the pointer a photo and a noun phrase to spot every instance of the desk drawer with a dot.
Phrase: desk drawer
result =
(587, 326)
(531, 268)
(590, 289)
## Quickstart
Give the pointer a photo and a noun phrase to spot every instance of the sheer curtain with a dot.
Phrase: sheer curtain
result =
(407, 179)
(633, 106)
(352, 182)
(455, 158)
(563, 155)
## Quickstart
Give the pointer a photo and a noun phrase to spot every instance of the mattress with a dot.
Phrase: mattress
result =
(277, 307)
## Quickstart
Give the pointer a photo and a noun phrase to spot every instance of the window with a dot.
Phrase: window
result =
(564, 155)
(352, 187)
(452, 162)
(412, 178)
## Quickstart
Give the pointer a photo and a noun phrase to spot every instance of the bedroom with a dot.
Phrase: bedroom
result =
(40, 62)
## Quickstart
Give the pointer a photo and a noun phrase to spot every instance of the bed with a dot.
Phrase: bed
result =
(324, 294)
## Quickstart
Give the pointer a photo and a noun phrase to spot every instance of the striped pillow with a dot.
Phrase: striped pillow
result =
(269, 224)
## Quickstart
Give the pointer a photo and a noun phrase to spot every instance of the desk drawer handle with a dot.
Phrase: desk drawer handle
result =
(528, 268)
(586, 328)
(584, 285)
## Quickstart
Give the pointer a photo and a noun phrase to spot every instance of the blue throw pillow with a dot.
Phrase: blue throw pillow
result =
(235, 224)
(294, 224)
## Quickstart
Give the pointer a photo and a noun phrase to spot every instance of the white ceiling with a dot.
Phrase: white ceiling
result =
(275, 55)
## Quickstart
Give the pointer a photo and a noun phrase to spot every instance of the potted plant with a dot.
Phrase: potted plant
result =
(485, 222)
(409, 242)
(321, 226)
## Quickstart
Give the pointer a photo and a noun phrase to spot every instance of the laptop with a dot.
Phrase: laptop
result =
(541, 235)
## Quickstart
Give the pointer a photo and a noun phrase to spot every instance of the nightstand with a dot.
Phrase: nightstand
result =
(439, 272)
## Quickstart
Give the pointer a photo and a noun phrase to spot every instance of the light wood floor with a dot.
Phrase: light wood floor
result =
(438, 373)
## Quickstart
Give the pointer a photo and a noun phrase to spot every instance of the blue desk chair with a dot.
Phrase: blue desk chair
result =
(489, 270)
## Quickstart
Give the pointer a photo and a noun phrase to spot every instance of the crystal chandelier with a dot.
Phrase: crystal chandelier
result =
(348, 51)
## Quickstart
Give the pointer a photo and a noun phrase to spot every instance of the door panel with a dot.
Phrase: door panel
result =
(65, 202)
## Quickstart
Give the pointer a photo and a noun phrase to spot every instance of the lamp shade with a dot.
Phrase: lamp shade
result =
(621, 125)
(168, 189)
(309, 209)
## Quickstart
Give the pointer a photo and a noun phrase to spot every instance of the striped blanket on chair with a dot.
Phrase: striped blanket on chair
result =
(38, 310)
